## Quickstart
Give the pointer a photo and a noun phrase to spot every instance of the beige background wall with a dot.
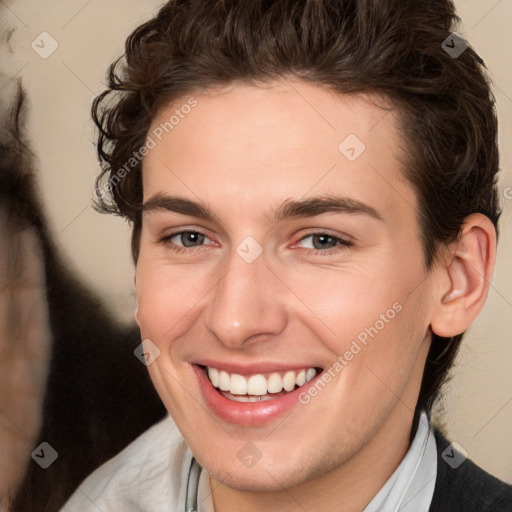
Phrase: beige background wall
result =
(61, 87)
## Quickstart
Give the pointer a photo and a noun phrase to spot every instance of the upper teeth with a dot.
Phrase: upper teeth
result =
(259, 384)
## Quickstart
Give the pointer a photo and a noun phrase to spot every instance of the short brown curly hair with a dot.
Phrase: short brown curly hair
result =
(398, 50)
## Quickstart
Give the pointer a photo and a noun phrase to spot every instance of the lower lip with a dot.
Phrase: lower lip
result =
(247, 413)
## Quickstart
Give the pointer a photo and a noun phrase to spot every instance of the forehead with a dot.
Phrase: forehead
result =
(246, 147)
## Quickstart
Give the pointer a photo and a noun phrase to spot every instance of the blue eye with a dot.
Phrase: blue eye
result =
(186, 239)
(319, 243)
(323, 242)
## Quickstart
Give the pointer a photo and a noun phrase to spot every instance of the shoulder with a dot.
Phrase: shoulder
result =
(462, 485)
(149, 474)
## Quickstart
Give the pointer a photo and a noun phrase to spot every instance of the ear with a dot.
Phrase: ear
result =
(464, 277)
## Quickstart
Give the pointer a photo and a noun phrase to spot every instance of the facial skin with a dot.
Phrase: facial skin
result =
(243, 152)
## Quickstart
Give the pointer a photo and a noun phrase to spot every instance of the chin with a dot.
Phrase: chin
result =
(268, 474)
(261, 479)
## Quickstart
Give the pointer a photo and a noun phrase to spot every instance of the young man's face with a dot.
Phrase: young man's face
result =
(265, 291)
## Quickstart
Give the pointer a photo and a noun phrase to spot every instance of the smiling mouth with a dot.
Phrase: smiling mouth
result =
(258, 387)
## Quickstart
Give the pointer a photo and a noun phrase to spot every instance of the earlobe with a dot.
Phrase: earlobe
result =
(465, 277)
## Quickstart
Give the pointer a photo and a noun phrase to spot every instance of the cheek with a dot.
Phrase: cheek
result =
(374, 317)
(168, 297)
(338, 305)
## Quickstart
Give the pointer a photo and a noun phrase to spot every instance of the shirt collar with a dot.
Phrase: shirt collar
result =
(411, 487)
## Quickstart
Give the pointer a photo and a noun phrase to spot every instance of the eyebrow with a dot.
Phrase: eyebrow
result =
(291, 208)
(314, 206)
(175, 204)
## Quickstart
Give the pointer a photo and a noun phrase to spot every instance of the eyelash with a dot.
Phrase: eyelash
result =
(341, 245)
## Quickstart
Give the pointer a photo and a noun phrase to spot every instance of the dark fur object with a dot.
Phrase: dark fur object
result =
(98, 394)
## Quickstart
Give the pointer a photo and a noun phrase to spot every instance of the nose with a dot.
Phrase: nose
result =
(247, 304)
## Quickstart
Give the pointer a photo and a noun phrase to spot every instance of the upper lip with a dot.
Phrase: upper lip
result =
(254, 368)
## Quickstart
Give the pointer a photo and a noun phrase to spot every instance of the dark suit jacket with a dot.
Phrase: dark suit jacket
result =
(467, 488)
